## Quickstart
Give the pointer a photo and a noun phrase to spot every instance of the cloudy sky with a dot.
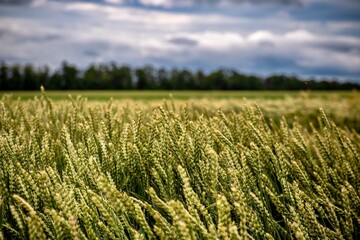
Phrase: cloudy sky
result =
(304, 37)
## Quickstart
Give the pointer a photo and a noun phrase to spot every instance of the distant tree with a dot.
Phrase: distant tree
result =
(163, 79)
(112, 76)
(69, 76)
(182, 79)
(54, 81)
(4, 76)
(151, 77)
(141, 79)
(43, 75)
(31, 78)
(16, 80)
(105, 76)
(91, 78)
(323, 85)
(189, 79)
(254, 83)
(145, 78)
(216, 80)
(175, 80)
(276, 82)
(120, 78)
(238, 81)
(200, 80)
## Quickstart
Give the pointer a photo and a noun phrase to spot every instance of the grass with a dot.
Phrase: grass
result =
(180, 169)
(181, 95)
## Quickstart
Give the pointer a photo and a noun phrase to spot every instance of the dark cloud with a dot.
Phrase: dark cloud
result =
(179, 3)
(21, 37)
(334, 72)
(92, 53)
(325, 11)
(338, 46)
(40, 38)
(274, 63)
(183, 41)
(28, 2)
(16, 2)
(187, 3)
(249, 1)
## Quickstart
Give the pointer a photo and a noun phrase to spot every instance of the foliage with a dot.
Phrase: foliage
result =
(75, 170)
(112, 76)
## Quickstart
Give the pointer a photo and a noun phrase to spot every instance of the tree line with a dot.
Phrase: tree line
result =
(113, 76)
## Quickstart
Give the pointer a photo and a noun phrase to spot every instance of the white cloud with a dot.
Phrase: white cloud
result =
(300, 35)
(114, 1)
(165, 3)
(262, 35)
(82, 6)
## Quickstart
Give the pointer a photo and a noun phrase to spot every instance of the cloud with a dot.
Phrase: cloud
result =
(23, 2)
(297, 51)
(339, 46)
(24, 37)
(183, 41)
(148, 21)
(15, 1)
(169, 3)
(260, 39)
(114, 1)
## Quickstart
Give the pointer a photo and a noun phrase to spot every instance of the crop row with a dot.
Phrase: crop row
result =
(82, 171)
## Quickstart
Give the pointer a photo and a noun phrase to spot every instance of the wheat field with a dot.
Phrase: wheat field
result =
(279, 169)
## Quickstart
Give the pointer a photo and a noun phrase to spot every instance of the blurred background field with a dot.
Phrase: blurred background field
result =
(105, 95)
(342, 107)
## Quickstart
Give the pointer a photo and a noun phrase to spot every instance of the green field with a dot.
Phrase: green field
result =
(198, 165)
(184, 95)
